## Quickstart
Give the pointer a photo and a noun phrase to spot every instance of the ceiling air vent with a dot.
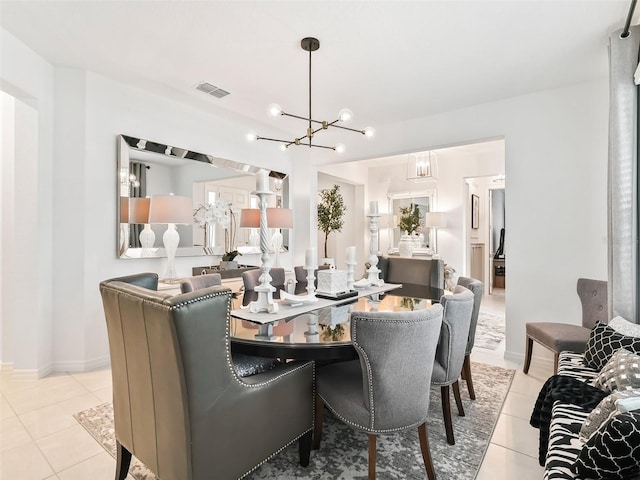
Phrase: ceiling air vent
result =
(212, 90)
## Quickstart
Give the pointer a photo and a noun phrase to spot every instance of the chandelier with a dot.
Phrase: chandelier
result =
(310, 44)
(422, 167)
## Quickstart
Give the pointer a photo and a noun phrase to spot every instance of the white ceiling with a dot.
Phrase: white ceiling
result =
(388, 61)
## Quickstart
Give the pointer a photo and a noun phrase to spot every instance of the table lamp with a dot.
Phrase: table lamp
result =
(278, 218)
(139, 213)
(250, 218)
(435, 220)
(172, 210)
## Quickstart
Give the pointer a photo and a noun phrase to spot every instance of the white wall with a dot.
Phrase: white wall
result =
(556, 157)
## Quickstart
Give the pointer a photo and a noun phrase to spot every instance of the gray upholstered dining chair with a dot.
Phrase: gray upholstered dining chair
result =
(243, 364)
(251, 279)
(477, 288)
(450, 353)
(178, 404)
(191, 284)
(387, 389)
(558, 337)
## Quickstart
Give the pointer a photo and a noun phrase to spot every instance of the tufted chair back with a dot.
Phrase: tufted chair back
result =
(593, 296)
(477, 288)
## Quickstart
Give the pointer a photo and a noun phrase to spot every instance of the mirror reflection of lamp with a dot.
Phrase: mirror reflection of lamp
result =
(278, 218)
(139, 213)
(172, 210)
(435, 220)
(124, 224)
(250, 218)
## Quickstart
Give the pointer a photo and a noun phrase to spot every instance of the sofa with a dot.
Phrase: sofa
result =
(417, 271)
(601, 441)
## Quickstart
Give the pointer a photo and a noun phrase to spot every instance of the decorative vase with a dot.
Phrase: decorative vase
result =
(405, 246)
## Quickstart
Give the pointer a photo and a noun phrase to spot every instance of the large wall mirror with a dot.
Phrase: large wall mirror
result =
(423, 201)
(219, 189)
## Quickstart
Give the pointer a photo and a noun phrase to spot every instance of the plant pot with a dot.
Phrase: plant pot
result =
(405, 246)
(228, 265)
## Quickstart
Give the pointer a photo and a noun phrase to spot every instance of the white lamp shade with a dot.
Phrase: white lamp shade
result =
(170, 209)
(250, 218)
(139, 210)
(435, 219)
(279, 218)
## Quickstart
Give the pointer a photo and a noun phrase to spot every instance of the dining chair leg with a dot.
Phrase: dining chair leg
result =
(456, 395)
(466, 370)
(527, 354)
(556, 359)
(372, 456)
(426, 451)
(319, 419)
(304, 448)
(446, 413)
(123, 459)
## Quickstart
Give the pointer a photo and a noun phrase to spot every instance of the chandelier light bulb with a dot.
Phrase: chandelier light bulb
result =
(283, 147)
(369, 132)
(345, 115)
(340, 148)
(251, 137)
(274, 110)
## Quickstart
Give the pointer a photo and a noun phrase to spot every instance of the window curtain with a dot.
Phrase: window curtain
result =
(140, 171)
(623, 180)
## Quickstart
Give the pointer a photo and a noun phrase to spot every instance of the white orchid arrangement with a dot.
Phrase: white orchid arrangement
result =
(219, 213)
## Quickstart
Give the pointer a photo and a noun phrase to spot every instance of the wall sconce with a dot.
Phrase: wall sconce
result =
(422, 167)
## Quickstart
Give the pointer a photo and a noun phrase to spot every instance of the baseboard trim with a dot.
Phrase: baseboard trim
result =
(6, 367)
(82, 366)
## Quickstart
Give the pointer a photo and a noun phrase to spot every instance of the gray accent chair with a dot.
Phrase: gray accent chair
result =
(450, 353)
(387, 389)
(477, 288)
(191, 284)
(251, 279)
(559, 337)
(178, 404)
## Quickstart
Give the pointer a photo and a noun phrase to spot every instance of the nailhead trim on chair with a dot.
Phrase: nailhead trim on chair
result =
(371, 402)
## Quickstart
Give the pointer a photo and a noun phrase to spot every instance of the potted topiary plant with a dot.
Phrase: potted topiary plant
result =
(409, 223)
(331, 209)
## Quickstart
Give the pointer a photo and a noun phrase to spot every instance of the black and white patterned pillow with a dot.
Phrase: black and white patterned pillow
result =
(613, 452)
(603, 342)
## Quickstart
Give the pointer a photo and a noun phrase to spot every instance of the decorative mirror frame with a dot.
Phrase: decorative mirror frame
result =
(430, 193)
(126, 144)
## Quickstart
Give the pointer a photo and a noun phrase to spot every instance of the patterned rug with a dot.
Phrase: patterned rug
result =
(343, 452)
(490, 330)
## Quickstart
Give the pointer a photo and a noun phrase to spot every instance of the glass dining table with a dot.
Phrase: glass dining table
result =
(323, 333)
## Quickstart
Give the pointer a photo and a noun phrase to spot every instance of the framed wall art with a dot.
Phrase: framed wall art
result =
(475, 211)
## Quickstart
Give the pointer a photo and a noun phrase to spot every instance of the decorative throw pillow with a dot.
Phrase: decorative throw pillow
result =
(602, 412)
(621, 372)
(602, 344)
(625, 327)
(613, 452)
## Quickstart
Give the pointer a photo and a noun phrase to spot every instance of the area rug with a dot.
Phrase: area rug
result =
(490, 330)
(343, 453)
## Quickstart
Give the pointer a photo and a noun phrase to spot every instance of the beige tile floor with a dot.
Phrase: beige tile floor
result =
(39, 438)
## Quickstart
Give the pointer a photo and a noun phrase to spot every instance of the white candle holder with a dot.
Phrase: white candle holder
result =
(311, 279)
(351, 266)
(265, 290)
(374, 271)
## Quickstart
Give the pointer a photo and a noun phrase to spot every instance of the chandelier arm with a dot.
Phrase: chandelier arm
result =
(274, 140)
(299, 117)
(347, 128)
